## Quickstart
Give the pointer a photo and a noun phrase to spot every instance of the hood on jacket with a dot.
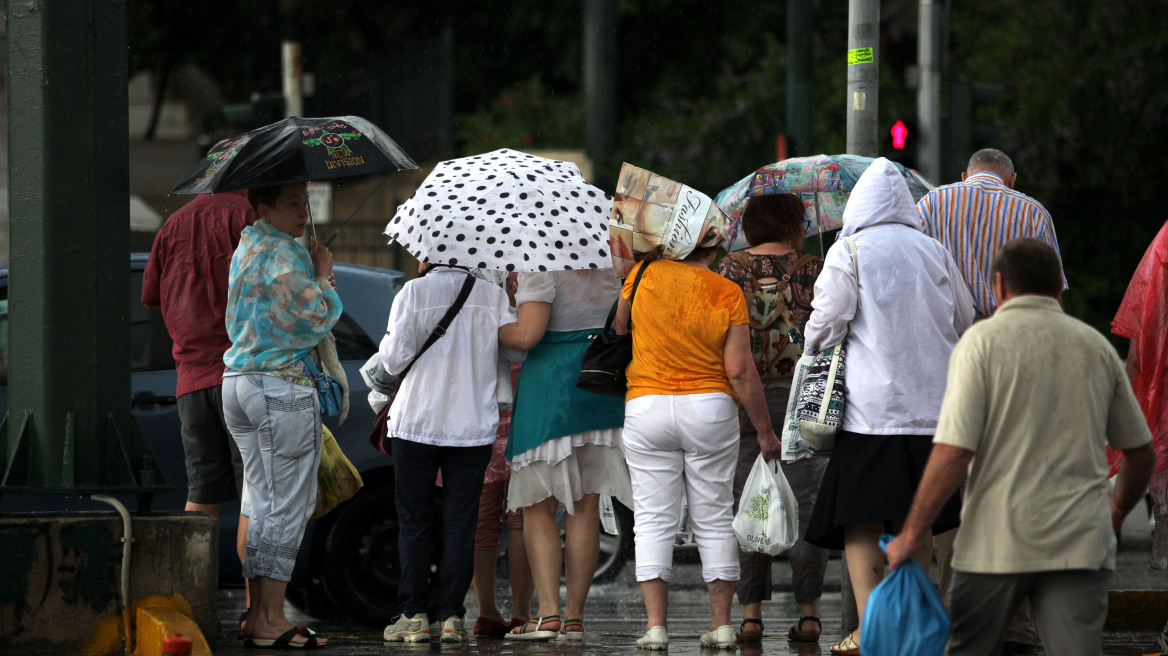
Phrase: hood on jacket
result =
(880, 196)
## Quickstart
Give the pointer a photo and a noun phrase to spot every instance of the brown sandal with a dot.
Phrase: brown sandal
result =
(749, 637)
(799, 635)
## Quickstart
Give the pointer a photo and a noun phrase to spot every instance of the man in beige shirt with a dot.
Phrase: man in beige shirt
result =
(1032, 397)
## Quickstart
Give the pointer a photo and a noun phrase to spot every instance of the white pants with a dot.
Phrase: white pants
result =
(683, 443)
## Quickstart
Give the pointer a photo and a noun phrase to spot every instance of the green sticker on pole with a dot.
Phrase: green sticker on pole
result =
(861, 56)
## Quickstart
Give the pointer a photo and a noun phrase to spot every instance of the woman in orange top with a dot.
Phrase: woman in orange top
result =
(691, 366)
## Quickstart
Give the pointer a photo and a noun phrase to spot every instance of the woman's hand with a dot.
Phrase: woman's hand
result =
(770, 445)
(322, 260)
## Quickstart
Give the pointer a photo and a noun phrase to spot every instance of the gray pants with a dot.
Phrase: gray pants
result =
(808, 562)
(1069, 607)
(277, 427)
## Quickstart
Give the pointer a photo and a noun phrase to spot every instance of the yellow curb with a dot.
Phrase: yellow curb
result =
(157, 622)
(1137, 609)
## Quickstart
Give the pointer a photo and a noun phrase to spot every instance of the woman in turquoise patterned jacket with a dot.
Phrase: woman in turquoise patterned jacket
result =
(281, 305)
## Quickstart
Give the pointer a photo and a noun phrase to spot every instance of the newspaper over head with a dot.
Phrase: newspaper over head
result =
(656, 218)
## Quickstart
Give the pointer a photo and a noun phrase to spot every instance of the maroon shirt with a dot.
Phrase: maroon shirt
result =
(186, 276)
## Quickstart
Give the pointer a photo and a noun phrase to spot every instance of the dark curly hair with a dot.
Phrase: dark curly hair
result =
(775, 217)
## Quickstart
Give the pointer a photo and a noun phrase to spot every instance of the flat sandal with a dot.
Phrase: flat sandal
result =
(846, 646)
(521, 633)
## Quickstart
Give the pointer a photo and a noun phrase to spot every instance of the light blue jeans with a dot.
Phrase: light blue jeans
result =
(277, 427)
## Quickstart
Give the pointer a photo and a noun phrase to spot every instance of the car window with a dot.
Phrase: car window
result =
(352, 342)
(4, 336)
(150, 345)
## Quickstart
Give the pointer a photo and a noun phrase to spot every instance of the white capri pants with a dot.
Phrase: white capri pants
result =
(676, 443)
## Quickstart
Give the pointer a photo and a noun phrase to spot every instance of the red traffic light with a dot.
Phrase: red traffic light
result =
(899, 134)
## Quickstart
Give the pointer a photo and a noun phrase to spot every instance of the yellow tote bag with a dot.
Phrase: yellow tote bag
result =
(337, 478)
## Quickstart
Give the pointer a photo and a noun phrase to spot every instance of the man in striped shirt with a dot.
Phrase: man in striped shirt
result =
(974, 218)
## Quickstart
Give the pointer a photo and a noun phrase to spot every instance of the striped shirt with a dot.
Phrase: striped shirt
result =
(976, 218)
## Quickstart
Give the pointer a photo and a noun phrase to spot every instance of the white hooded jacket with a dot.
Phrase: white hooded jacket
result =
(913, 307)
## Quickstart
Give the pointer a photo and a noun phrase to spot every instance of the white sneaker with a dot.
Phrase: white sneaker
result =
(720, 638)
(413, 629)
(655, 639)
(452, 632)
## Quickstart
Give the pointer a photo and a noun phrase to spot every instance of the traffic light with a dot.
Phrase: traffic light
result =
(900, 135)
(972, 122)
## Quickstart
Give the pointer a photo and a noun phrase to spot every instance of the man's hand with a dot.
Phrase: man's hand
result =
(770, 445)
(903, 548)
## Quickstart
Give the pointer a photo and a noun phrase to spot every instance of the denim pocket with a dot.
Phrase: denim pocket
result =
(293, 417)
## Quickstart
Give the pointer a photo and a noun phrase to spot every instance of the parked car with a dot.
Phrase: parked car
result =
(348, 562)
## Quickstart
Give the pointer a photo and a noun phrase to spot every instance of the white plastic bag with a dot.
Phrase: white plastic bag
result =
(768, 514)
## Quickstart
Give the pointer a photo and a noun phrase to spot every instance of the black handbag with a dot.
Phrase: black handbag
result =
(602, 369)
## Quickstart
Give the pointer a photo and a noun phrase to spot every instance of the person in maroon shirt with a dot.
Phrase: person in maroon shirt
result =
(186, 277)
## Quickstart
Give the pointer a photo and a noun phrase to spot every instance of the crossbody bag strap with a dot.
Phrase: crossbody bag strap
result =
(444, 323)
(853, 254)
(612, 310)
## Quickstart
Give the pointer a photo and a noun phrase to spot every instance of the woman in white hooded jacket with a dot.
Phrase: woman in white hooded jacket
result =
(901, 318)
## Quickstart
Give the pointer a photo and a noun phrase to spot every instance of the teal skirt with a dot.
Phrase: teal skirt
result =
(548, 404)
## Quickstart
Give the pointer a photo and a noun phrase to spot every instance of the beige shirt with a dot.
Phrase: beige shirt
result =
(1036, 394)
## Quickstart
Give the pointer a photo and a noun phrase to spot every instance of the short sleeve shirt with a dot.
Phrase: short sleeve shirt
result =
(1036, 395)
(681, 315)
(186, 276)
(580, 299)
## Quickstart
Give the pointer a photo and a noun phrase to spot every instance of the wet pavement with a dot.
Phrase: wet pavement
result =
(616, 617)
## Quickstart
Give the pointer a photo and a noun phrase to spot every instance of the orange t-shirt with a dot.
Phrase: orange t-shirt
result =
(681, 315)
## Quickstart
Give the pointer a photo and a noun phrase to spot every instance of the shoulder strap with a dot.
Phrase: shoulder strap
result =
(632, 295)
(444, 323)
(853, 254)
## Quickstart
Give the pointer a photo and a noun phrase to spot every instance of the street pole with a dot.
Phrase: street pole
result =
(929, 91)
(863, 76)
(863, 116)
(599, 82)
(292, 68)
(800, 78)
(69, 428)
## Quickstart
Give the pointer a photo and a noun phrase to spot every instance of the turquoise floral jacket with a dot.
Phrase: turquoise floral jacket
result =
(277, 311)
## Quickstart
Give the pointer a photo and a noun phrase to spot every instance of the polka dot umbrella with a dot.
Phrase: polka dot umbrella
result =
(506, 210)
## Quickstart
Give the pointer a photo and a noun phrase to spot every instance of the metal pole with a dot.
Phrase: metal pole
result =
(929, 91)
(69, 427)
(863, 115)
(863, 76)
(599, 82)
(800, 78)
(293, 74)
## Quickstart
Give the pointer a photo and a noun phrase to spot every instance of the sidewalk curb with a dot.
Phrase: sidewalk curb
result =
(157, 622)
(1137, 609)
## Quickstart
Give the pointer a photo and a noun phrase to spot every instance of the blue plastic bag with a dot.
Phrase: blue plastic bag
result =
(905, 615)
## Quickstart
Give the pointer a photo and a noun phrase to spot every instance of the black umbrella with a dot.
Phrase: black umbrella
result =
(296, 150)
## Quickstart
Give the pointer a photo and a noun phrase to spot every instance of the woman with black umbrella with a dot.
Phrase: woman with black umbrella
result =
(281, 305)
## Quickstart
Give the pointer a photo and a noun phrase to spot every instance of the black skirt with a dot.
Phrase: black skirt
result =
(872, 478)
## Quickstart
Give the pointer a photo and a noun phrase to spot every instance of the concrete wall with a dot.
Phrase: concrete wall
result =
(60, 577)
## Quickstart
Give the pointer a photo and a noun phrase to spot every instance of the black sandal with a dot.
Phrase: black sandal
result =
(798, 635)
(749, 636)
(242, 619)
(285, 640)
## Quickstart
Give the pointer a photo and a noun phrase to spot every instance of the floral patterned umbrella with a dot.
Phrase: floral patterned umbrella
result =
(822, 182)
